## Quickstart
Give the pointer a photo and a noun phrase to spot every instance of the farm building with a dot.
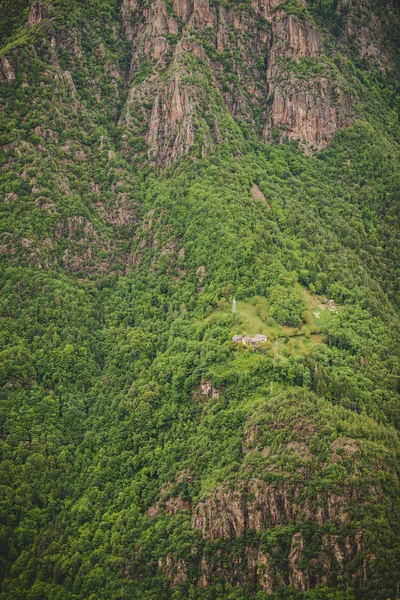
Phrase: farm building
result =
(250, 341)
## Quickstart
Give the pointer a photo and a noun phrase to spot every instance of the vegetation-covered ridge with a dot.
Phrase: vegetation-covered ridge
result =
(160, 159)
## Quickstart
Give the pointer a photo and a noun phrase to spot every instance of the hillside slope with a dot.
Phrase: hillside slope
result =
(160, 159)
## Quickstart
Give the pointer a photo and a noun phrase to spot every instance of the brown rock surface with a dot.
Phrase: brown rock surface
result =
(36, 14)
(230, 513)
(173, 99)
(296, 576)
(174, 568)
(7, 70)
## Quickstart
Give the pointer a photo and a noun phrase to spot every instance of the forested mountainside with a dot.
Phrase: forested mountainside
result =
(175, 173)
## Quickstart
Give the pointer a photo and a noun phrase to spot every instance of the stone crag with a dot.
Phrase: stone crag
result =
(249, 59)
(202, 74)
(254, 530)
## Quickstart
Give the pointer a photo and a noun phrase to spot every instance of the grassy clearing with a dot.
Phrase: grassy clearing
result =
(253, 316)
(318, 314)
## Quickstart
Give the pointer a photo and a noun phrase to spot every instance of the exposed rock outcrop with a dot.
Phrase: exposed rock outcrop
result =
(205, 390)
(258, 194)
(284, 550)
(367, 32)
(183, 9)
(37, 13)
(231, 513)
(310, 109)
(128, 10)
(174, 568)
(198, 73)
(296, 576)
(172, 503)
(7, 72)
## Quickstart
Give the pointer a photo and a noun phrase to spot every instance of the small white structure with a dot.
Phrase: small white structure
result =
(260, 338)
(234, 305)
(331, 306)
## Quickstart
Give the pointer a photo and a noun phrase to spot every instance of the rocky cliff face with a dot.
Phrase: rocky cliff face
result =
(168, 79)
(260, 507)
(201, 74)
(279, 529)
(207, 63)
(309, 108)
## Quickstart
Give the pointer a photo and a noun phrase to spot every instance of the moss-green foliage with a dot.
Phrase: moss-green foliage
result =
(287, 306)
(102, 352)
(12, 16)
(293, 7)
(98, 376)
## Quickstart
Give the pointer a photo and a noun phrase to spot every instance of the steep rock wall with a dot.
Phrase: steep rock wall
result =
(277, 529)
(248, 56)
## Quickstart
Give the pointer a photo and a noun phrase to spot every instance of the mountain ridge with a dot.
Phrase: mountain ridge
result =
(158, 160)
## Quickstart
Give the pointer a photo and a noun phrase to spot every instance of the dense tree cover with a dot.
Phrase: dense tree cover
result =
(98, 377)
(112, 275)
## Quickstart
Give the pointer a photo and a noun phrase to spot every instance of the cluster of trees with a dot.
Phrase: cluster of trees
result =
(98, 379)
(110, 271)
(287, 305)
